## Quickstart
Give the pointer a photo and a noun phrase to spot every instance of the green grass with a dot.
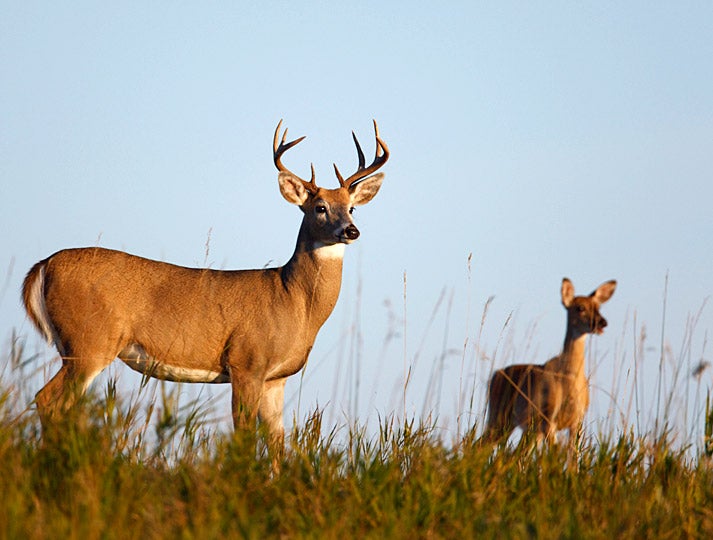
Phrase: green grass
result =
(153, 466)
(106, 474)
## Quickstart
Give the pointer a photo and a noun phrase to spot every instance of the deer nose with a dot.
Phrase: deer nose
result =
(600, 325)
(351, 232)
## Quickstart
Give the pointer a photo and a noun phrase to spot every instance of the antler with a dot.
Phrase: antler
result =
(382, 154)
(281, 148)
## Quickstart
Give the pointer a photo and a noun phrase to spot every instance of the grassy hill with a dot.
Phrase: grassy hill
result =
(105, 472)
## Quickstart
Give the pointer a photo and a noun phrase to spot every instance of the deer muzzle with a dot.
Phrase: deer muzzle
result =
(351, 232)
(600, 325)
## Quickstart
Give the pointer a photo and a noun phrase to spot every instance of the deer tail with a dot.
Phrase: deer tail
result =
(33, 297)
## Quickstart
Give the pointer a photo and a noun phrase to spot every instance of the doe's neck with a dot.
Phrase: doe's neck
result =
(572, 358)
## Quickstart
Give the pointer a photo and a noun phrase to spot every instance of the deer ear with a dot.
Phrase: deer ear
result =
(362, 192)
(292, 188)
(567, 292)
(605, 291)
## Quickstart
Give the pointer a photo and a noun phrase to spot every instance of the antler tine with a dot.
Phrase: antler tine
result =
(382, 155)
(339, 175)
(381, 144)
(359, 151)
(280, 148)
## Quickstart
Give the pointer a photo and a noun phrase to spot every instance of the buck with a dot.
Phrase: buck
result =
(249, 328)
(553, 396)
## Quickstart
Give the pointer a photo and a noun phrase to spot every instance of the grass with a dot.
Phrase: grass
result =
(104, 473)
(152, 465)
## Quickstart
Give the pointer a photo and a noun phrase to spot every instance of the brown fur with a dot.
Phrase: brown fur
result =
(251, 328)
(546, 398)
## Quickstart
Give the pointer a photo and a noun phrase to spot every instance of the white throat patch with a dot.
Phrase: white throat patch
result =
(329, 251)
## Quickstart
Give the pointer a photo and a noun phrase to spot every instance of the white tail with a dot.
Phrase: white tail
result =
(251, 328)
(552, 396)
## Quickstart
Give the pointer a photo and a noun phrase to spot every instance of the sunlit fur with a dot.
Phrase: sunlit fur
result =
(546, 398)
(251, 328)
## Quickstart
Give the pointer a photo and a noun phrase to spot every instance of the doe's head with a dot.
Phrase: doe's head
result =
(583, 315)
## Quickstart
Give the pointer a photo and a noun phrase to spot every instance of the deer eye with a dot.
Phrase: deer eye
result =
(320, 209)
(351, 210)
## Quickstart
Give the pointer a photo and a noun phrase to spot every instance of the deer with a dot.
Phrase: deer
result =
(544, 399)
(251, 329)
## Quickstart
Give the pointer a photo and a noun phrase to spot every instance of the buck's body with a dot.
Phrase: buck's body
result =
(135, 311)
(546, 398)
(249, 328)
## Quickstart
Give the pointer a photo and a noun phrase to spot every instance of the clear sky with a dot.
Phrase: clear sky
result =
(546, 139)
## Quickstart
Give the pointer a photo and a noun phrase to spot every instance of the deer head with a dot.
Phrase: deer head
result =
(328, 212)
(583, 315)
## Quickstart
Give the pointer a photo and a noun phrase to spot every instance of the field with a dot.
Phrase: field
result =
(149, 468)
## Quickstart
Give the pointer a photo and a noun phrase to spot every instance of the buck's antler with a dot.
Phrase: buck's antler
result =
(382, 154)
(281, 148)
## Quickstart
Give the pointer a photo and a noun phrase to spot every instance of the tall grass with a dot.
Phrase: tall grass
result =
(153, 465)
(96, 475)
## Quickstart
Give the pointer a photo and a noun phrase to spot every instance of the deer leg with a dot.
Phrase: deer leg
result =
(573, 439)
(270, 410)
(497, 430)
(245, 401)
(52, 395)
(66, 387)
(544, 432)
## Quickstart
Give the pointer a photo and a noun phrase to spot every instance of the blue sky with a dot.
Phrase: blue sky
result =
(547, 140)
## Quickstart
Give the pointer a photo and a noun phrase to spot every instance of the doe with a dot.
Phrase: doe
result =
(249, 328)
(553, 396)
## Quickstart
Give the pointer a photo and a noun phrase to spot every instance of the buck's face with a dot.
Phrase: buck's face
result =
(583, 315)
(328, 212)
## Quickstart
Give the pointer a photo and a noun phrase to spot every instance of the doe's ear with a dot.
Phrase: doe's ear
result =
(604, 291)
(292, 188)
(362, 192)
(567, 292)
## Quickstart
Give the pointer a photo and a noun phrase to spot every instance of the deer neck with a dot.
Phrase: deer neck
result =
(314, 274)
(571, 360)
